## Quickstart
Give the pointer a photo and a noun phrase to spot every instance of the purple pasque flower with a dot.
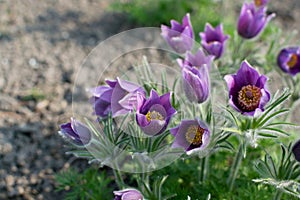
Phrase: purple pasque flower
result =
(289, 60)
(119, 97)
(124, 97)
(197, 60)
(180, 36)
(196, 83)
(247, 90)
(213, 40)
(128, 194)
(259, 3)
(252, 20)
(296, 150)
(102, 98)
(192, 135)
(153, 114)
(76, 132)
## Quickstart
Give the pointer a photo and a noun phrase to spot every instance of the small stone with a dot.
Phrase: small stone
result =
(33, 63)
(14, 168)
(10, 180)
(20, 190)
(5, 148)
(48, 189)
(42, 105)
(25, 171)
(33, 179)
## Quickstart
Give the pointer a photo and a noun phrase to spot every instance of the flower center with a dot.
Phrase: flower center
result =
(293, 61)
(258, 2)
(154, 115)
(249, 97)
(194, 135)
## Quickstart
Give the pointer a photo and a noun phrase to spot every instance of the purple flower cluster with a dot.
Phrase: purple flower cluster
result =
(118, 97)
(181, 37)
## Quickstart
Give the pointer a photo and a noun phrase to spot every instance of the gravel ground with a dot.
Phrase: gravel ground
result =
(42, 45)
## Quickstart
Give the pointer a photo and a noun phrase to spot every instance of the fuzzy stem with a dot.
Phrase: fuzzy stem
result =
(277, 195)
(238, 51)
(204, 169)
(118, 178)
(235, 166)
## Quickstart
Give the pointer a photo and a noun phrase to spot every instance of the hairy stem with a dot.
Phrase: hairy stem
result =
(235, 166)
(204, 169)
(277, 195)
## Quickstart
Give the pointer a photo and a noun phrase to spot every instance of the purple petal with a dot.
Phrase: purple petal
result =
(155, 127)
(246, 75)
(296, 150)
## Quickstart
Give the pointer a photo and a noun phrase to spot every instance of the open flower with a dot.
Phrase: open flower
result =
(128, 194)
(197, 60)
(213, 40)
(247, 90)
(196, 83)
(180, 36)
(252, 20)
(75, 132)
(192, 135)
(153, 114)
(119, 97)
(289, 60)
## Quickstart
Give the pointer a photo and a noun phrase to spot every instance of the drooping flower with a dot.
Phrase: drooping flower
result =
(153, 114)
(128, 194)
(102, 98)
(197, 60)
(259, 3)
(252, 20)
(180, 36)
(247, 90)
(213, 40)
(119, 97)
(75, 132)
(296, 150)
(192, 135)
(289, 60)
(196, 83)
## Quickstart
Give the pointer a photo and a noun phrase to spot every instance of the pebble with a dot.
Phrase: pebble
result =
(5, 148)
(20, 190)
(33, 63)
(10, 180)
(33, 179)
(42, 105)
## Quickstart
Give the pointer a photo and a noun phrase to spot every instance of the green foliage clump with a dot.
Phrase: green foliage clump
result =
(155, 13)
(91, 184)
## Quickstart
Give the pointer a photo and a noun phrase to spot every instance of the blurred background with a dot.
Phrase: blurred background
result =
(42, 45)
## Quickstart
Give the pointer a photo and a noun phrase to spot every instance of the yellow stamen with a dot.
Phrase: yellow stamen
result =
(258, 2)
(194, 135)
(293, 61)
(154, 115)
(249, 97)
